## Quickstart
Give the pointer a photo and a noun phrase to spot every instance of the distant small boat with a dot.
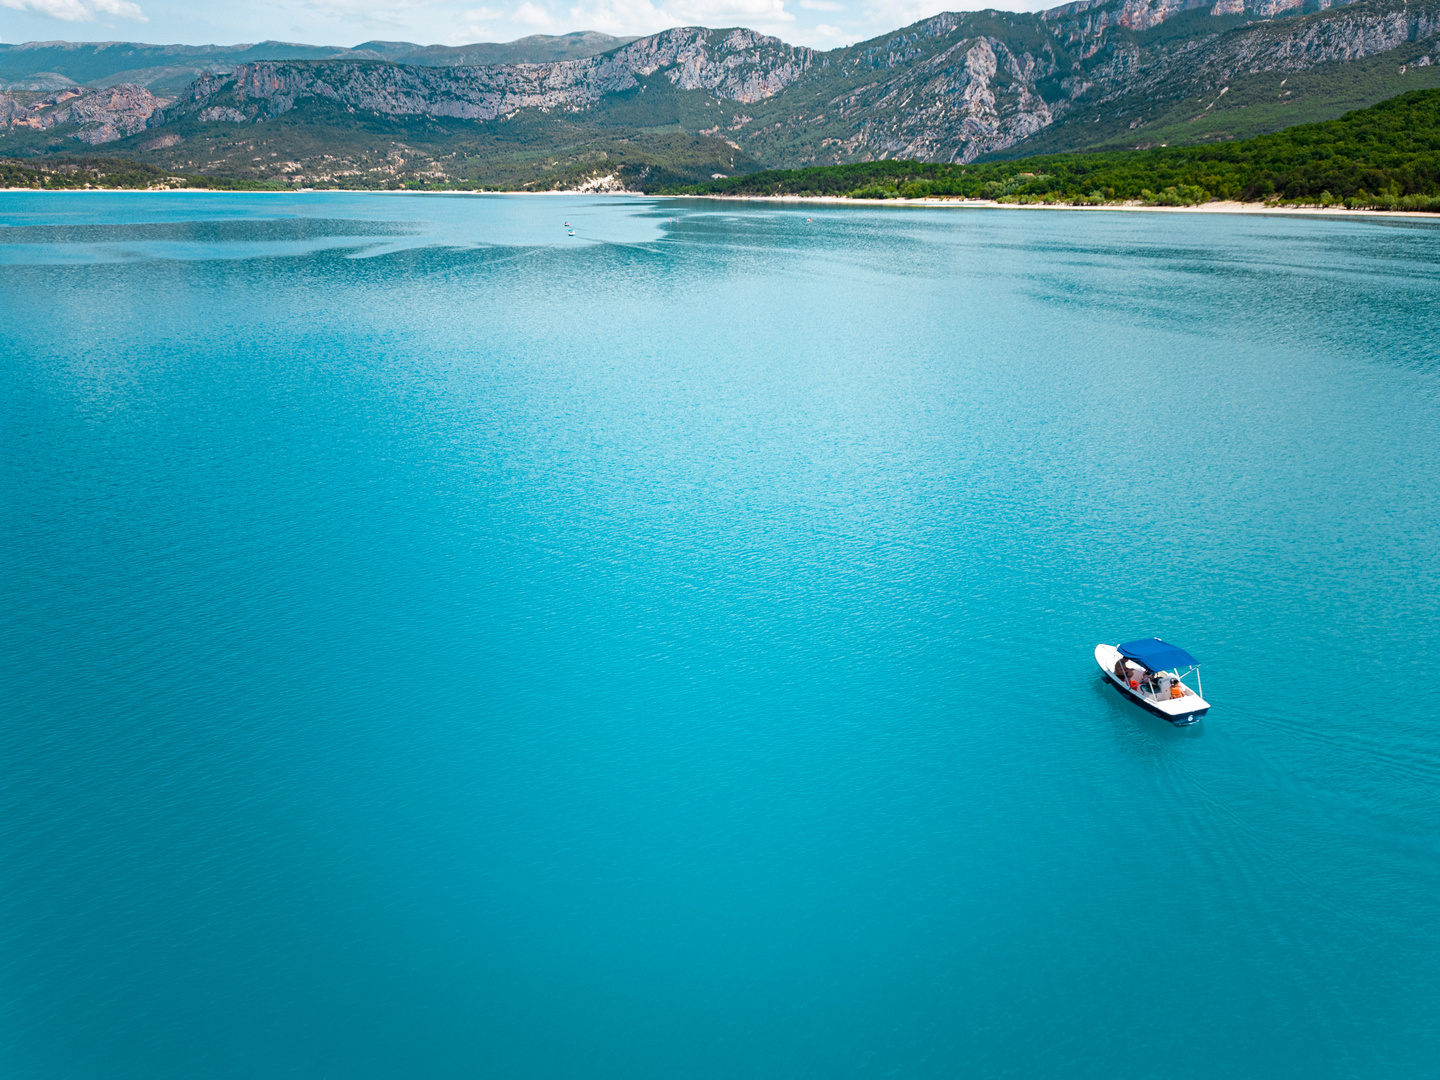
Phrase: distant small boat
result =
(567, 224)
(572, 232)
(1148, 672)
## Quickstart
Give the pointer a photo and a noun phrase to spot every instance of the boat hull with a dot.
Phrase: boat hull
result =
(1182, 712)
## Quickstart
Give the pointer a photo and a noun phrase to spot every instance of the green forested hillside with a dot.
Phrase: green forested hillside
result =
(1385, 156)
(77, 174)
(1252, 104)
(336, 147)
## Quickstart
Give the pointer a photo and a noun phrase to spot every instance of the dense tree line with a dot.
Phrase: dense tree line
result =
(1386, 156)
(117, 173)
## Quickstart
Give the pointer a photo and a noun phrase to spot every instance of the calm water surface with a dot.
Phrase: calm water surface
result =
(436, 646)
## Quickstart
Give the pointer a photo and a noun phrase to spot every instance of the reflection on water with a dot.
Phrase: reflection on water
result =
(200, 226)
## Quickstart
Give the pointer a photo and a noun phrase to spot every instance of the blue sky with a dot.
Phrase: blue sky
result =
(819, 23)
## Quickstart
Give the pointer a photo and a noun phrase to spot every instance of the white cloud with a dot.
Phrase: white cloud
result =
(77, 10)
(390, 17)
(643, 17)
(619, 16)
(730, 12)
(123, 8)
(474, 24)
(893, 14)
(817, 23)
(824, 33)
(528, 14)
(886, 15)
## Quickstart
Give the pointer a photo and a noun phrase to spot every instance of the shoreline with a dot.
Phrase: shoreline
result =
(1215, 207)
(311, 191)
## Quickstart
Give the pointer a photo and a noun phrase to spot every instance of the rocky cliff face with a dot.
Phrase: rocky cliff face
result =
(100, 116)
(735, 65)
(1348, 35)
(954, 102)
(955, 87)
(1289, 45)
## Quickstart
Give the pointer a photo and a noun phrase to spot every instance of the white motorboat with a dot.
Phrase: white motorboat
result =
(1152, 673)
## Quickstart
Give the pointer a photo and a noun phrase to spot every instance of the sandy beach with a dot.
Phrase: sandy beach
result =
(1216, 207)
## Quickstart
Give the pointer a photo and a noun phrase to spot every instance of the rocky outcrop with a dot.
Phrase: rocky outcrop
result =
(113, 113)
(10, 110)
(1287, 45)
(1089, 18)
(735, 65)
(971, 97)
(101, 115)
(1348, 35)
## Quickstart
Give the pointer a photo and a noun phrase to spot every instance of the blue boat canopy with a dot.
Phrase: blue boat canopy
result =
(1156, 655)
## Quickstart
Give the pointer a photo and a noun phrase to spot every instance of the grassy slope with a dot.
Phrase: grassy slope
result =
(1387, 155)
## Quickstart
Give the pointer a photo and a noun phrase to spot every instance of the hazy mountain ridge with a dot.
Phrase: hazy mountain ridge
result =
(41, 66)
(535, 49)
(951, 88)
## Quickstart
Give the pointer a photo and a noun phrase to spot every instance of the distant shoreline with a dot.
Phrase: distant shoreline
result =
(1215, 207)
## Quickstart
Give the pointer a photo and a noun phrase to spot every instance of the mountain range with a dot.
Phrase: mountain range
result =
(694, 103)
(59, 65)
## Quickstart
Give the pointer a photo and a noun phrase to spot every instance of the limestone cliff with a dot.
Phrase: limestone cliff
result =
(99, 116)
(735, 65)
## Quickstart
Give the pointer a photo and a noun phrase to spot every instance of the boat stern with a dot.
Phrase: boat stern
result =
(1182, 711)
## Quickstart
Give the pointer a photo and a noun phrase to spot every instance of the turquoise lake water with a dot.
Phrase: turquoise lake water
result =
(437, 646)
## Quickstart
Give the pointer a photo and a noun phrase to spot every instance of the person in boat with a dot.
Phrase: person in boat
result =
(1133, 677)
